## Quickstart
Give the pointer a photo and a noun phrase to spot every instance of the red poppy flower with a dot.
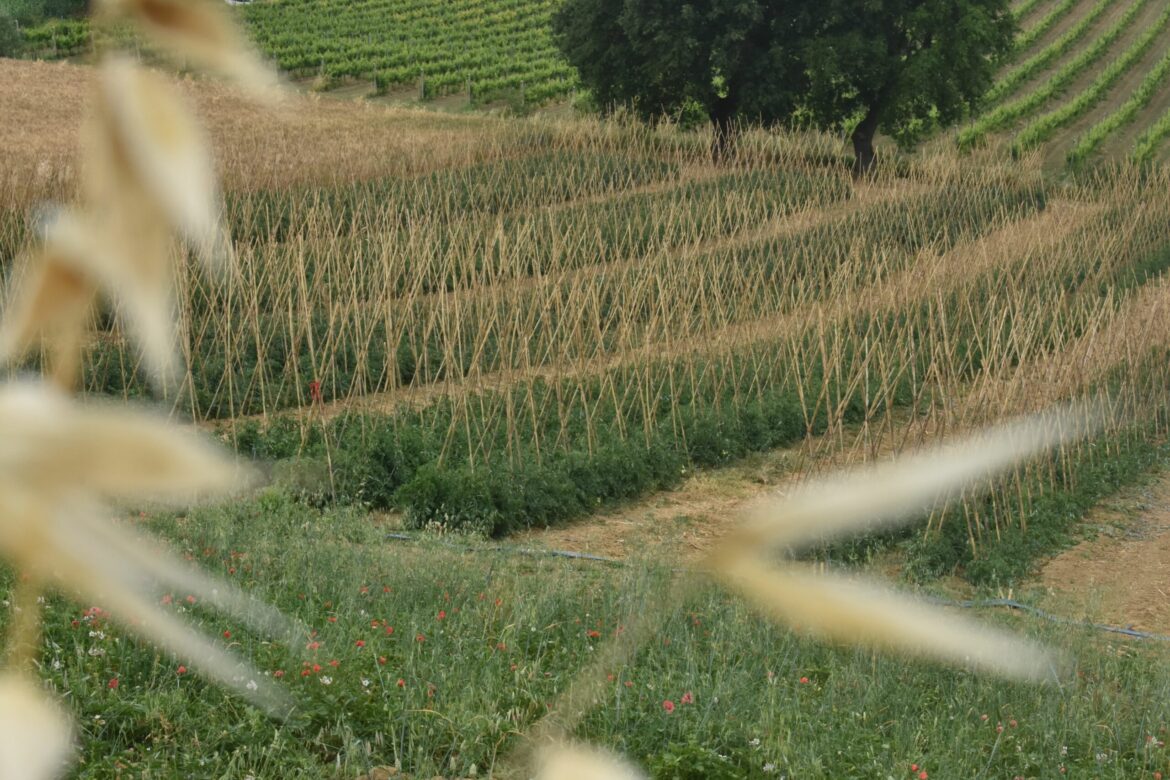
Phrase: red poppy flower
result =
(668, 705)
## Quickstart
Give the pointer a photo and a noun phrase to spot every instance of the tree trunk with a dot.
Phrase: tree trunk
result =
(863, 155)
(723, 118)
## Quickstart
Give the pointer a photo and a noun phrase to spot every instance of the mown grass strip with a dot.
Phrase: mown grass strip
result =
(1007, 113)
(1043, 128)
(1047, 55)
(1123, 115)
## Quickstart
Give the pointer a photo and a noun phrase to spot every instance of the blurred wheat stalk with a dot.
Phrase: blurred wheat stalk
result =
(148, 178)
(755, 561)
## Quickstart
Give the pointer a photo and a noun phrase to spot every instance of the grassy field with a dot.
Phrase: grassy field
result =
(482, 325)
(432, 659)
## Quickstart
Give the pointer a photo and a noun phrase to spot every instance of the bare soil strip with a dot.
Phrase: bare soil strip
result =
(1120, 575)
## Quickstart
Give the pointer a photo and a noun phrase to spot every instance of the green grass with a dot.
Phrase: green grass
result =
(481, 641)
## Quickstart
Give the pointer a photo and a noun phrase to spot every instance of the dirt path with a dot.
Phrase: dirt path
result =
(681, 523)
(1121, 574)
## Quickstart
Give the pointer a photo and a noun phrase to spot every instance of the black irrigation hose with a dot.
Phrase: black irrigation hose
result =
(1013, 604)
(968, 604)
(515, 550)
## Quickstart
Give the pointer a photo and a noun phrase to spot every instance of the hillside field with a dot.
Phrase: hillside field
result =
(1089, 81)
(444, 333)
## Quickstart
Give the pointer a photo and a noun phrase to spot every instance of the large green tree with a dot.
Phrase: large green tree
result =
(737, 59)
(902, 66)
(896, 65)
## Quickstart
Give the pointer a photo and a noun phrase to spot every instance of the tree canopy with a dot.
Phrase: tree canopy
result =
(15, 14)
(898, 65)
(657, 57)
(903, 65)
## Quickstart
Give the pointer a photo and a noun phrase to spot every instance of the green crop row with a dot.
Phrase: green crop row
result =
(1033, 33)
(1007, 113)
(1047, 499)
(422, 463)
(1125, 114)
(550, 177)
(1046, 126)
(1148, 142)
(493, 45)
(1047, 55)
(1025, 8)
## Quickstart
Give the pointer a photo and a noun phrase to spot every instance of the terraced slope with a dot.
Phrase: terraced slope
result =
(484, 49)
(1090, 81)
(487, 46)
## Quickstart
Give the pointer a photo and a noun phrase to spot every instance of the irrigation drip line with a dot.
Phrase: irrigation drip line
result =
(961, 604)
(1013, 604)
(516, 550)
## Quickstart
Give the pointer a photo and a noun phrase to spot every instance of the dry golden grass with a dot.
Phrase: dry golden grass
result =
(308, 140)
